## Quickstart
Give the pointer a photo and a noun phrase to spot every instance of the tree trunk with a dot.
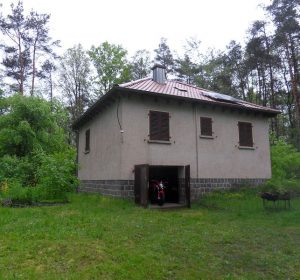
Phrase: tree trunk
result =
(33, 69)
(51, 90)
(21, 62)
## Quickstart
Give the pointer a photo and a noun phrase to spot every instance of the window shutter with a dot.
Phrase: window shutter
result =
(159, 126)
(164, 126)
(87, 140)
(206, 126)
(154, 125)
(245, 134)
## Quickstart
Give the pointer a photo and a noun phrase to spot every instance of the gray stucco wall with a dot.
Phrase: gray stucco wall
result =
(103, 162)
(219, 157)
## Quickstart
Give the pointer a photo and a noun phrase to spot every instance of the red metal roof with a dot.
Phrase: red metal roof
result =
(180, 89)
(174, 89)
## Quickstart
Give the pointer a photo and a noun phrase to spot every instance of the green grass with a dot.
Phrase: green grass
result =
(227, 236)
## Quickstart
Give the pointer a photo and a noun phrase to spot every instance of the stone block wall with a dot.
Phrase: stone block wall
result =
(199, 186)
(115, 188)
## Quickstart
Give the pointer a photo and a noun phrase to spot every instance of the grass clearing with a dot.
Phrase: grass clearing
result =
(226, 236)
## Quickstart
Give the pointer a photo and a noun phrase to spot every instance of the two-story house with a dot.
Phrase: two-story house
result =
(156, 128)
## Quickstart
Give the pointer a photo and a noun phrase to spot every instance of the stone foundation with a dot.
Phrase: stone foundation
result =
(116, 188)
(200, 186)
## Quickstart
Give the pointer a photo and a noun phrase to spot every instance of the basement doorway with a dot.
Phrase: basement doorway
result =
(177, 179)
(169, 176)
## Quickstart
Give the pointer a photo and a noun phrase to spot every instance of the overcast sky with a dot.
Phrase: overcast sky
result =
(140, 24)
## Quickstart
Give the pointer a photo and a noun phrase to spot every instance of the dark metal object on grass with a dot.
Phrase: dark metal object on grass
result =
(276, 197)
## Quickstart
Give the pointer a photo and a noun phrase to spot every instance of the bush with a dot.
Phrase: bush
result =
(36, 162)
(285, 161)
(20, 169)
(56, 175)
(31, 124)
(285, 169)
(16, 192)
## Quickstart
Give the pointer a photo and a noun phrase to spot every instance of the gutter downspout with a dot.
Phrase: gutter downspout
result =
(77, 154)
(196, 138)
(120, 120)
(119, 115)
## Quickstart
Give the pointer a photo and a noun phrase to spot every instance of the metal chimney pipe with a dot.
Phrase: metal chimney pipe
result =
(159, 74)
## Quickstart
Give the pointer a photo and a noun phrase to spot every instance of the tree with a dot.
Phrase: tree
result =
(111, 65)
(239, 71)
(3, 105)
(189, 68)
(75, 80)
(192, 49)
(140, 64)
(34, 154)
(26, 38)
(285, 15)
(29, 125)
(46, 73)
(17, 56)
(186, 69)
(215, 73)
(164, 55)
(39, 41)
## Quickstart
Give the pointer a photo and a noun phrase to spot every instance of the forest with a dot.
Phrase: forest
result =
(39, 88)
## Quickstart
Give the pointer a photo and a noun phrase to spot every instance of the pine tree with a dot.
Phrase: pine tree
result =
(164, 55)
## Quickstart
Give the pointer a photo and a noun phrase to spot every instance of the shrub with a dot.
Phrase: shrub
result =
(30, 124)
(20, 169)
(285, 169)
(17, 193)
(285, 161)
(56, 175)
(36, 162)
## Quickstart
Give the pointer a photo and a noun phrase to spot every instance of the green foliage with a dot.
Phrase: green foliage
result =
(75, 80)
(241, 201)
(186, 69)
(285, 161)
(164, 55)
(18, 194)
(111, 65)
(285, 169)
(141, 64)
(29, 125)
(13, 168)
(56, 174)
(35, 160)
(26, 44)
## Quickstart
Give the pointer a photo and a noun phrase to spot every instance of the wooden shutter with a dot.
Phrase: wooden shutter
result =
(206, 126)
(87, 140)
(245, 134)
(187, 180)
(159, 126)
(141, 184)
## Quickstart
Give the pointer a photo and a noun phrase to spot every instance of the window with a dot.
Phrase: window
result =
(87, 140)
(159, 126)
(245, 134)
(206, 126)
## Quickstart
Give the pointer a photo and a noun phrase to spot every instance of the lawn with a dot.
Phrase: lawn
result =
(227, 236)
